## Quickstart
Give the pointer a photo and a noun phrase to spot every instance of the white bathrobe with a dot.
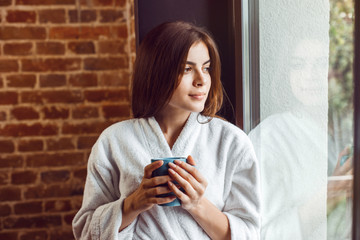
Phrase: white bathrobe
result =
(223, 153)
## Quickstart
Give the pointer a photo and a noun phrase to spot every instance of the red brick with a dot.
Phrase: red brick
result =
(21, 81)
(60, 144)
(22, 113)
(113, 47)
(55, 112)
(6, 146)
(97, 2)
(81, 174)
(82, 47)
(109, 63)
(24, 177)
(38, 235)
(9, 65)
(52, 16)
(8, 235)
(83, 80)
(55, 176)
(59, 96)
(8, 98)
(121, 31)
(5, 210)
(52, 64)
(28, 33)
(85, 16)
(86, 142)
(35, 222)
(53, 191)
(11, 161)
(84, 112)
(112, 111)
(10, 194)
(120, 3)
(68, 218)
(30, 145)
(28, 208)
(3, 116)
(107, 95)
(60, 234)
(36, 129)
(118, 78)
(5, 2)
(45, 2)
(55, 160)
(79, 32)
(52, 80)
(58, 206)
(17, 16)
(84, 128)
(111, 16)
(50, 48)
(4, 180)
(18, 49)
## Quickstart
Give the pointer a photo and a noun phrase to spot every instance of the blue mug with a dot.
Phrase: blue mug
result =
(163, 170)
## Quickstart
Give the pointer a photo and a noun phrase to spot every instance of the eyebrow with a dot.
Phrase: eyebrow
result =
(192, 63)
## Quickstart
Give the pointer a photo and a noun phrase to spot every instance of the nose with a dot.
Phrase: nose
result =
(199, 79)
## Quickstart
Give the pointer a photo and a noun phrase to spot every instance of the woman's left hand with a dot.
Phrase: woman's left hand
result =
(190, 179)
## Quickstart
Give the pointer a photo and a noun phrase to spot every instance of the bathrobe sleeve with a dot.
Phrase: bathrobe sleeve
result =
(100, 215)
(242, 205)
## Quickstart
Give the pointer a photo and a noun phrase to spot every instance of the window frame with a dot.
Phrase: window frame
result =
(356, 163)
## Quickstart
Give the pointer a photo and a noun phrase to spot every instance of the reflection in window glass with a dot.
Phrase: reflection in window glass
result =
(340, 120)
(304, 139)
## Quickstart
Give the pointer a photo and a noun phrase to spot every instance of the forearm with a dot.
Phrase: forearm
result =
(212, 220)
(128, 214)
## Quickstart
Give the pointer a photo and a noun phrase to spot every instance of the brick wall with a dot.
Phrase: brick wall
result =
(64, 77)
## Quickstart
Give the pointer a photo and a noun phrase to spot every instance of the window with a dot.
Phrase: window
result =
(298, 85)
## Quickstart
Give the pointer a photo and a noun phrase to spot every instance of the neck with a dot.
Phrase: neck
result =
(171, 124)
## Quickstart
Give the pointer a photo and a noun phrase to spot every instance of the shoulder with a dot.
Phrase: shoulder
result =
(227, 133)
(121, 131)
(227, 129)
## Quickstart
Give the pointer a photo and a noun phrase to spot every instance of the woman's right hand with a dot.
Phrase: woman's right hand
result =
(144, 196)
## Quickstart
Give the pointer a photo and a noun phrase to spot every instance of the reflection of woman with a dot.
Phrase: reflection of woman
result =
(292, 150)
(177, 76)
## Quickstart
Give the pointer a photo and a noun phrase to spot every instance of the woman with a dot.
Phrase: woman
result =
(176, 93)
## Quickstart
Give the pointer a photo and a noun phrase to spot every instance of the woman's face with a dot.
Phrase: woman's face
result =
(192, 92)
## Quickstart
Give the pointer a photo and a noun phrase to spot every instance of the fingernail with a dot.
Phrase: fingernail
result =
(171, 164)
(171, 171)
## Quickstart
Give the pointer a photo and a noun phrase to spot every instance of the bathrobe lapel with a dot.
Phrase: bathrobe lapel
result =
(158, 146)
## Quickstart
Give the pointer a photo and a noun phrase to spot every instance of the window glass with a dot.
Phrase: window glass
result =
(304, 139)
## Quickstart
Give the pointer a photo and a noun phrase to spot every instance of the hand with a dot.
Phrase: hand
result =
(346, 167)
(190, 179)
(144, 196)
(337, 189)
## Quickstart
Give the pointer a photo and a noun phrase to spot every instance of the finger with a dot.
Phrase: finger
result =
(192, 170)
(161, 200)
(155, 181)
(158, 191)
(181, 195)
(190, 160)
(190, 186)
(151, 167)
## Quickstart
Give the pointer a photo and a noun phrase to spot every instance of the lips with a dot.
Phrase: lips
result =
(197, 96)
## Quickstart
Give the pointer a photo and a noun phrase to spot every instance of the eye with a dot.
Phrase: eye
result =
(206, 69)
(187, 69)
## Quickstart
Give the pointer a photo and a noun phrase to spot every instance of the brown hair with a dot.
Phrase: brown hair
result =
(160, 63)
